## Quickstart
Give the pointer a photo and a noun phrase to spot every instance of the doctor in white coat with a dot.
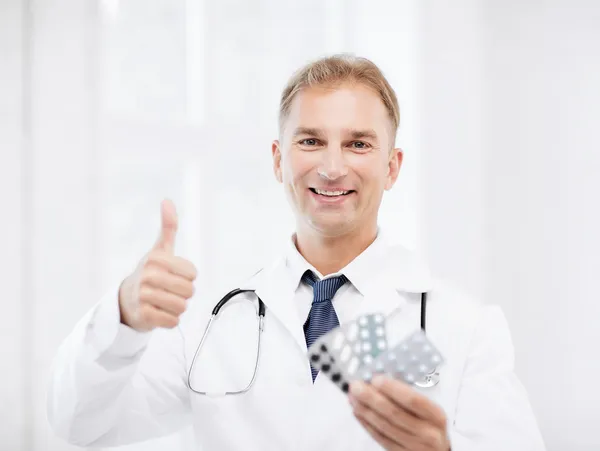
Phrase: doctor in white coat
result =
(121, 376)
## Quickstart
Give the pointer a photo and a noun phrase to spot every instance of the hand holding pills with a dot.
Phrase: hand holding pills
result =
(398, 417)
(358, 359)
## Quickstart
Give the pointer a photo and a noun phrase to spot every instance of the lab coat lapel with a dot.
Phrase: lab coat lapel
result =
(396, 292)
(274, 287)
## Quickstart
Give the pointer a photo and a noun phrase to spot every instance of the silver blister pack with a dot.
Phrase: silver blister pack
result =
(357, 343)
(351, 347)
(367, 337)
(410, 361)
(359, 350)
(323, 358)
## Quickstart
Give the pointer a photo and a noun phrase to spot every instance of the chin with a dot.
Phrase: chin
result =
(333, 227)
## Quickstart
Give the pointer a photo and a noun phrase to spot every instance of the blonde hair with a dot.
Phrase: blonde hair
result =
(334, 70)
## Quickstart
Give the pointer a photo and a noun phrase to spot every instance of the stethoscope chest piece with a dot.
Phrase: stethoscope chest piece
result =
(430, 380)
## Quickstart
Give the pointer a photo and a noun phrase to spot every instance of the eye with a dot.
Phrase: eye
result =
(308, 142)
(361, 145)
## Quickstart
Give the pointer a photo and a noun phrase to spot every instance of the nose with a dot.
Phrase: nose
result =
(333, 166)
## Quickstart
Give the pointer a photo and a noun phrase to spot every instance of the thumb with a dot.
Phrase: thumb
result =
(168, 227)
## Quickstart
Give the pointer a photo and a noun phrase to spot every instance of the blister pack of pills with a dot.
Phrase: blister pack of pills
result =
(322, 358)
(410, 360)
(359, 350)
(344, 350)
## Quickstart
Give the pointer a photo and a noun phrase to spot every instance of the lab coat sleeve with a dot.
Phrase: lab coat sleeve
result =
(493, 410)
(111, 385)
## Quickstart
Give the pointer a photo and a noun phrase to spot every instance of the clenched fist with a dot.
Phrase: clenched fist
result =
(157, 292)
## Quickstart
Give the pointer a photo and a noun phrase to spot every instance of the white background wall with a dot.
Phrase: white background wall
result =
(106, 107)
(509, 185)
(543, 212)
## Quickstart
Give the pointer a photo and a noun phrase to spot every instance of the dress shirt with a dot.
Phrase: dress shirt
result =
(360, 272)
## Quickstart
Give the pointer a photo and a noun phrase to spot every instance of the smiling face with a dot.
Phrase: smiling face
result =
(335, 158)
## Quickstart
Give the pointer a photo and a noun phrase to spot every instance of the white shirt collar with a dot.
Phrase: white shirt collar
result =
(380, 261)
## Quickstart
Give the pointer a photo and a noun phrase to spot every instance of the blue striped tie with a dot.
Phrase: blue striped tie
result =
(322, 317)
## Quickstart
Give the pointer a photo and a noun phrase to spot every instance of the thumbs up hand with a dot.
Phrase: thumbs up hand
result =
(156, 294)
(168, 227)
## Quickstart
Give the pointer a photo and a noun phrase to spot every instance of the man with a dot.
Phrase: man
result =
(132, 370)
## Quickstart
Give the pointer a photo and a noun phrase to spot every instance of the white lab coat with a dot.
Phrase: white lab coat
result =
(104, 393)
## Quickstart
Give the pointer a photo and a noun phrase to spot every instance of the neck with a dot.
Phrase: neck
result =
(329, 254)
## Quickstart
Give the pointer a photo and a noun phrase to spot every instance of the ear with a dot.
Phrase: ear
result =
(394, 165)
(276, 151)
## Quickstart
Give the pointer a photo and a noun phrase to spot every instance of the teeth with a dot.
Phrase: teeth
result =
(331, 193)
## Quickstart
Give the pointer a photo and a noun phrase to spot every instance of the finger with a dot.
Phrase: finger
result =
(176, 265)
(411, 400)
(374, 400)
(382, 440)
(154, 317)
(169, 282)
(163, 300)
(168, 227)
(411, 431)
(387, 443)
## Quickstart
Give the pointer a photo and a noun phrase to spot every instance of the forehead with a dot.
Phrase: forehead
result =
(347, 106)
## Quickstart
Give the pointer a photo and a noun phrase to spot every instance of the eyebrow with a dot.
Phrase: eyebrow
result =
(354, 134)
(358, 134)
(308, 131)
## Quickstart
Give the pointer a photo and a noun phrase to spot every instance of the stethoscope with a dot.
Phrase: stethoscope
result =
(430, 380)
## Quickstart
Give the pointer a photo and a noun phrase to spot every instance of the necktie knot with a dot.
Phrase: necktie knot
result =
(324, 290)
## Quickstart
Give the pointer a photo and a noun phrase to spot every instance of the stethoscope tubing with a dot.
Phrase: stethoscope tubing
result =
(430, 380)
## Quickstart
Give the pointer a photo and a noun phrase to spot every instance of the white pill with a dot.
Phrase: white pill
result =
(352, 332)
(381, 344)
(346, 353)
(366, 346)
(352, 366)
(362, 321)
(364, 333)
(338, 341)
